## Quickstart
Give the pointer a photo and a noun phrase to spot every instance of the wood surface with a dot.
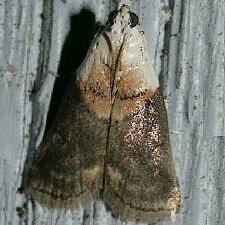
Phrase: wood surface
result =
(44, 39)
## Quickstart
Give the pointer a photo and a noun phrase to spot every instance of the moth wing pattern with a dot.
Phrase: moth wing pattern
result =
(140, 180)
(68, 166)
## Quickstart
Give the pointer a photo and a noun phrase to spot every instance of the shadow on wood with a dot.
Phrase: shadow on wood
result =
(82, 30)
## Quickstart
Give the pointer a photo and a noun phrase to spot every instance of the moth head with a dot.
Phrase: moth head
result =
(123, 19)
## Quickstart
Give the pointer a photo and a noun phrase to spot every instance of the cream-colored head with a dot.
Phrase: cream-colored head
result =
(121, 22)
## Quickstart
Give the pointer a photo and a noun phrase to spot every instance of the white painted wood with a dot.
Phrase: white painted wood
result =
(188, 56)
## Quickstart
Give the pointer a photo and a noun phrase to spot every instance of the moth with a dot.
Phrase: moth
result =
(110, 139)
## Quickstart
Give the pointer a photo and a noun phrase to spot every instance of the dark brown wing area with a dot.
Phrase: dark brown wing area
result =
(69, 162)
(140, 180)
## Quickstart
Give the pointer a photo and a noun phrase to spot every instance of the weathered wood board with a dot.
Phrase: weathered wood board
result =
(40, 39)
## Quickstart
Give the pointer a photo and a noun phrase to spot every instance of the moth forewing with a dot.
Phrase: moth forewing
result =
(68, 168)
(140, 179)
